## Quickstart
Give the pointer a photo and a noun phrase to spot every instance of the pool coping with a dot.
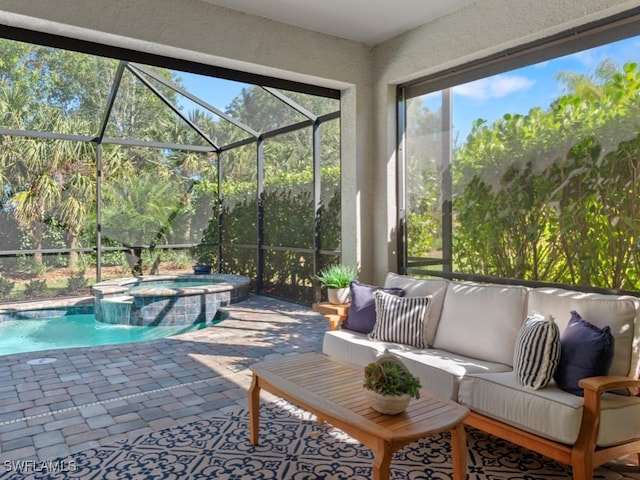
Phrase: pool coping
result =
(27, 305)
(122, 285)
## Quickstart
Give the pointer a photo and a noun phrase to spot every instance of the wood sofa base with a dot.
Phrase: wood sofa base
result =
(583, 460)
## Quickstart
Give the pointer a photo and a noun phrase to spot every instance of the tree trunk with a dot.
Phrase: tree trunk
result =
(73, 256)
(37, 229)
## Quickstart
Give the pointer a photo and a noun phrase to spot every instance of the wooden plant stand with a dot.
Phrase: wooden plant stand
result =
(335, 314)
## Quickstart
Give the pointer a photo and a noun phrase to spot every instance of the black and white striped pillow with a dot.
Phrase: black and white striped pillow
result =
(400, 319)
(537, 352)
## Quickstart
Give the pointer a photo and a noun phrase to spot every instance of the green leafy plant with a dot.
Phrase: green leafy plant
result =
(179, 259)
(389, 377)
(76, 282)
(336, 276)
(35, 287)
(5, 287)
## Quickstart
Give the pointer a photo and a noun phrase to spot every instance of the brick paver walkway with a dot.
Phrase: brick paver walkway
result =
(88, 397)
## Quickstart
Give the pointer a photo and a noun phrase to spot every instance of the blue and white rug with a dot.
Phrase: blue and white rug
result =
(292, 446)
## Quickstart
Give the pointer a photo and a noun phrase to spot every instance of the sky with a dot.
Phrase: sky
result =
(517, 91)
(215, 91)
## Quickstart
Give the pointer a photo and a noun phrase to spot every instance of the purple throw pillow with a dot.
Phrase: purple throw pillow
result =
(362, 312)
(585, 351)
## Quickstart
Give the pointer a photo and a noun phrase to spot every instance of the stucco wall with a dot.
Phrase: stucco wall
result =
(475, 31)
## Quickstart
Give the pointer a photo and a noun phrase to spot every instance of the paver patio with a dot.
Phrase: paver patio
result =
(94, 396)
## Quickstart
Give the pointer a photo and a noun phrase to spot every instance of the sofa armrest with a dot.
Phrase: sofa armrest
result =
(590, 426)
(605, 384)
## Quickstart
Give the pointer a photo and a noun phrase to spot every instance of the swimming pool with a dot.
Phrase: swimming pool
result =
(78, 330)
(121, 311)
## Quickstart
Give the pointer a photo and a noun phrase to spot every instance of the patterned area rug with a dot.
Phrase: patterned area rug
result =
(292, 446)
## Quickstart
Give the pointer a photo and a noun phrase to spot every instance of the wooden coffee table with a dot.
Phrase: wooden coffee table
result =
(333, 392)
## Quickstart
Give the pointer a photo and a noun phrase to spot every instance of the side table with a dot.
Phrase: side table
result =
(333, 313)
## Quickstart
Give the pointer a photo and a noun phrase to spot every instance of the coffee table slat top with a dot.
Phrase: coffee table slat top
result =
(334, 390)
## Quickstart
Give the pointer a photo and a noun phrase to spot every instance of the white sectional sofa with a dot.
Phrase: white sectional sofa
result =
(471, 331)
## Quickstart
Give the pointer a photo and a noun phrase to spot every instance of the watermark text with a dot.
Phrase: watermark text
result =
(33, 466)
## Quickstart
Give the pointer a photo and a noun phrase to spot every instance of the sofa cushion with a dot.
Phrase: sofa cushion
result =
(586, 351)
(481, 321)
(354, 347)
(617, 312)
(362, 311)
(399, 319)
(548, 412)
(422, 287)
(438, 371)
(537, 352)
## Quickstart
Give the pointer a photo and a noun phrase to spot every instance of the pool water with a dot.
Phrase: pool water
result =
(77, 330)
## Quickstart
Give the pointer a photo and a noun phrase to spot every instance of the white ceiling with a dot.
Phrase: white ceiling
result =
(365, 21)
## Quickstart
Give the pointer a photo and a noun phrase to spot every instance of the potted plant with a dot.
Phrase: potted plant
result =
(205, 257)
(202, 269)
(389, 385)
(337, 279)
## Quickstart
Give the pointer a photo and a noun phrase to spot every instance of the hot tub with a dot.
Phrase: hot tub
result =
(167, 299)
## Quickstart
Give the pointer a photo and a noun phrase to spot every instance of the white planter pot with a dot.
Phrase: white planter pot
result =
(389, 405)
(339, 295)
